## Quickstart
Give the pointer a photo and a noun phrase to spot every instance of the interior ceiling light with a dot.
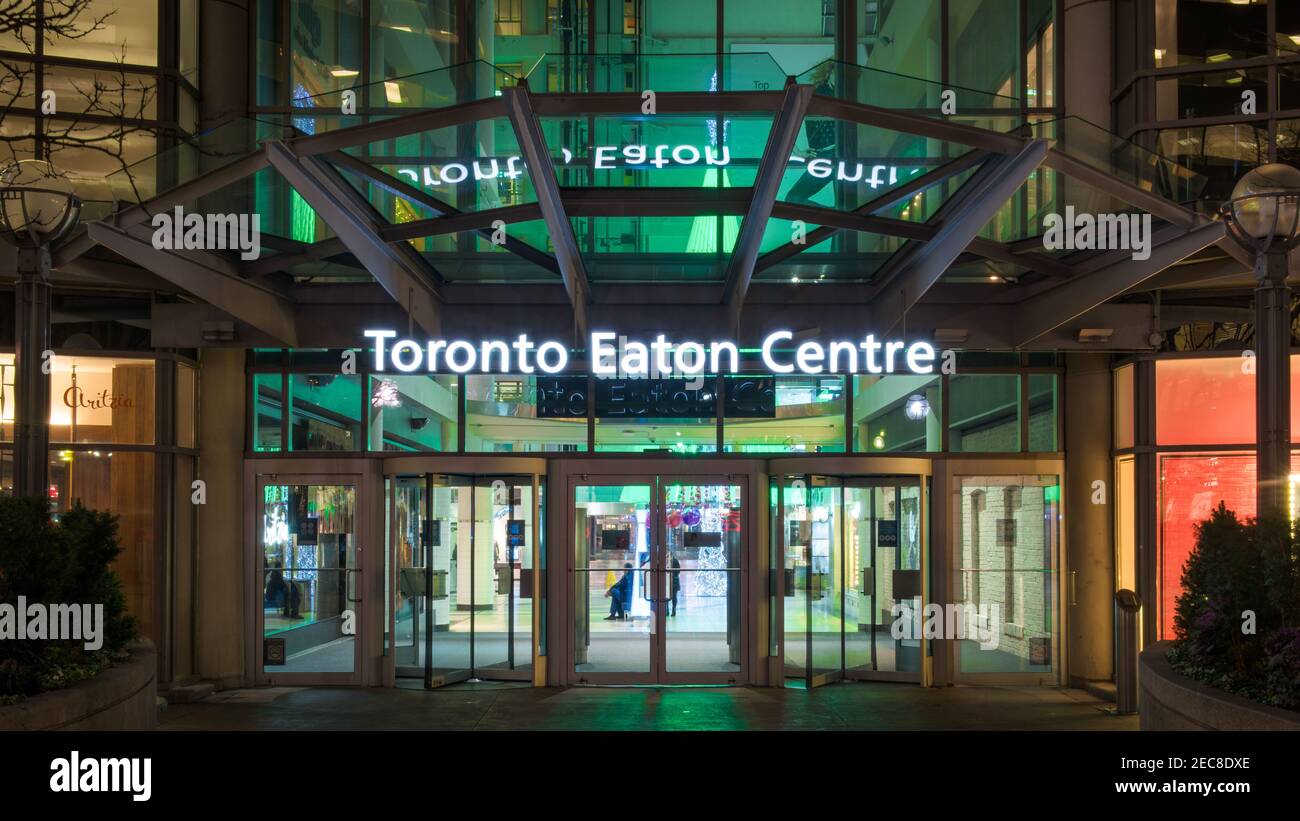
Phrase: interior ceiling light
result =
(344, 72)
(917, 407)
(393, 92)
(1095, 335)
(1295, 38)
(1218, 58)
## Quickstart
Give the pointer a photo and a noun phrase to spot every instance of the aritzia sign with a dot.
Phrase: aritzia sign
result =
(634, 157)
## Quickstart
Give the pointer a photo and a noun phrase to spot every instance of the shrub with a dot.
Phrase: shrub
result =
(67, 562)
(1240, 567)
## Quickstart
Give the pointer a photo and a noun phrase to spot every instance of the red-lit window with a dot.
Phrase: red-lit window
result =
(1205, 401)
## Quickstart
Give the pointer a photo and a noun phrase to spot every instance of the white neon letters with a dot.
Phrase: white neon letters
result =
(614, 356)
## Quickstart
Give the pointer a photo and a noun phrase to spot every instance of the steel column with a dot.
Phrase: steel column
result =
(1272, 382)
(31, 382)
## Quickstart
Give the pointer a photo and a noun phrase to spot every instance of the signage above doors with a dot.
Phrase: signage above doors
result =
(614, 356)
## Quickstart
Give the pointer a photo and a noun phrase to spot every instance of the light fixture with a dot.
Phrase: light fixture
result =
(406, 29)
(1295, 38)
(37, 206)
(1264, 207)
(879, 441)
(1160, 54)
(393, 92)
(344, 72)
(1218, 58)
(917, 407)
(1095, 336)
(386, 395)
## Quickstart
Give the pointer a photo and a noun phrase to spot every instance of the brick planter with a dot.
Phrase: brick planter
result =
(1168, 700)
(124, 697)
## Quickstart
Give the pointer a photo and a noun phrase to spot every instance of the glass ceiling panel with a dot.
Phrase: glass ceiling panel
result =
(470, 257)
(191, 159)
(655, 72)
(668, 151)
(469, 167)
(1083, 141)
(872, 86)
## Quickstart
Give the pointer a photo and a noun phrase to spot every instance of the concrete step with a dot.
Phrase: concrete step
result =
(188, 693)
(1104, 690)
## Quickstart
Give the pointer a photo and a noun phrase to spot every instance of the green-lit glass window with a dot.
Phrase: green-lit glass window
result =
(897, 413)
(326, 412)
(268, 410)
(410, 37)
(1044, 403)
(327, 46)
(272, 55)
(412, 413)
(982, 49)
(984, 413)
(784, 414)
(677, 416)
(514, 413)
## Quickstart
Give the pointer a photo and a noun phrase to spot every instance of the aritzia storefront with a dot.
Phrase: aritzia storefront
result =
(1184, 444)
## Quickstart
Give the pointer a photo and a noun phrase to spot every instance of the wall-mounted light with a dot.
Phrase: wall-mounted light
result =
(917, 407)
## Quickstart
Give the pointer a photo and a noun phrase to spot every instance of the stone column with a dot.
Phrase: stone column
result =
(219, 591)
(1090, 552)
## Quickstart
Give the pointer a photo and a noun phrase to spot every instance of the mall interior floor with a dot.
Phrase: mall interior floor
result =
(505, 706)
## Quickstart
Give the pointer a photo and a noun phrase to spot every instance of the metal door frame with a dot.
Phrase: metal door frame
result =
(655, 474)
(257, 672)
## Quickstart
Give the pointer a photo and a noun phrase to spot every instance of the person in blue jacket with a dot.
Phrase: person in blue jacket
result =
(620, 595)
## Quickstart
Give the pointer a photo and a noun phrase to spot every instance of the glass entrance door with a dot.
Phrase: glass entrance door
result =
(850, 553)
(309, 582)
(462, 550)
(883, 592)
(657, 580)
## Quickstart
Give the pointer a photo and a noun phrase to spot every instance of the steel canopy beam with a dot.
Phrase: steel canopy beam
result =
(210, 277)
(982, 197)
(532, 144)
(771, 168)
(398, 268)
(1050, 309)
(401, 188)
(875, 205)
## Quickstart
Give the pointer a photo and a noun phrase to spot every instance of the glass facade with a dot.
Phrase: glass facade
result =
(996, 403)
(1200, 82)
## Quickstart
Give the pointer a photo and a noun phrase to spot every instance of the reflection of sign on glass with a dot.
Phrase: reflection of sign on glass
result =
(887, 533)
(700, 539)
(615, 539)
(308, 529)
(746, 397)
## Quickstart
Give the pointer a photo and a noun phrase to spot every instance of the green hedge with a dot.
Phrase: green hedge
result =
(1239, 572)
(67, 561)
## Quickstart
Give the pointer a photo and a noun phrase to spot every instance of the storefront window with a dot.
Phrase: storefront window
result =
(106, 31)
(525, 413)
(984, 413)
(122, 483)
(897, 413)
(1125, 524)
(187, 384)
(102, 399)
(8, 397)
(1124, 418)
(784, 414)
(1191, 487)
(326, 412)
(413, 413)
(1205, 401)
(410, 37)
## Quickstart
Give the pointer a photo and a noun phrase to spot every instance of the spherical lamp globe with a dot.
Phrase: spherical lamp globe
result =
(1264, 201)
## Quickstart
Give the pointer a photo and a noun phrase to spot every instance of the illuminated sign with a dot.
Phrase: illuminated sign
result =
(643, 157)
(614, 356)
